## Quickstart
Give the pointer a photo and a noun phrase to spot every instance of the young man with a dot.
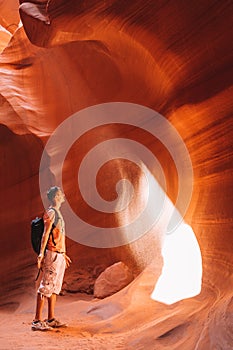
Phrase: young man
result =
(52, 260)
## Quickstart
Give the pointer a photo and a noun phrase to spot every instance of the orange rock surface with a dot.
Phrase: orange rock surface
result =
(172, 57)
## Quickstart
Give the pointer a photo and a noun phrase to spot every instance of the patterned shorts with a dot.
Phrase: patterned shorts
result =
(53, 273)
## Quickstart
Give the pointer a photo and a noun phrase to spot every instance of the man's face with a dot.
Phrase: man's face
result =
(60, 197)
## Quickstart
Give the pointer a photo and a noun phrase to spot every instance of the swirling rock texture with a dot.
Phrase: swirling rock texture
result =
(173, 57)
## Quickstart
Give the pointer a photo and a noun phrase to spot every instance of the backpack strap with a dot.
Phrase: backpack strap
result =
(54, 224)
(56, 216)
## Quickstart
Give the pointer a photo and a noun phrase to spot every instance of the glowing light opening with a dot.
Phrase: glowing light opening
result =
(182, 271)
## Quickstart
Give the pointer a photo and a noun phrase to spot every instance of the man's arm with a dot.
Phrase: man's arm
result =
(68, 260)
(48, 223)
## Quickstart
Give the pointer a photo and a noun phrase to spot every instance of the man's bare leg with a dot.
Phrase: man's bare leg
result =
(39, 307)
(51, 306)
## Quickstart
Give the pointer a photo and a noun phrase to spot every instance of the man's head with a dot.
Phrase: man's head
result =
(55, 195)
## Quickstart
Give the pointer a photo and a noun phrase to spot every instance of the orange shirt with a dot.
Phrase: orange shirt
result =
(58, 232)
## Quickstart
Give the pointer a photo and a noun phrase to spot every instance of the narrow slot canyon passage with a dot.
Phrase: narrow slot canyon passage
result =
(127, 106)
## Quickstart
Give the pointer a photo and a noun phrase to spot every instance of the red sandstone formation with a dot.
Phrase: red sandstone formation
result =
(174, 58)
(111, 280)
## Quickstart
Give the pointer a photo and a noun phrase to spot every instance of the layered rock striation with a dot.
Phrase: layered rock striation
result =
(173, 58)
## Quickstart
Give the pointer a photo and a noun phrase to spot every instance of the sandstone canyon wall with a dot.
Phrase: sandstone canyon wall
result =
(173, 57)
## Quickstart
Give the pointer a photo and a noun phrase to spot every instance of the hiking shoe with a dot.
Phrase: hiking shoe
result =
(55, 323)
(40, 326)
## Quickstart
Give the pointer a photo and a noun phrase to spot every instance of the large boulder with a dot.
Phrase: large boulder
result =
(111, 280)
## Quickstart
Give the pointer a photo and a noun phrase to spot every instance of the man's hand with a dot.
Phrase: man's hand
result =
(40, 259)
(68, 260)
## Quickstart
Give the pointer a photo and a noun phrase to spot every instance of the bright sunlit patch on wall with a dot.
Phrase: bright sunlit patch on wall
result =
(182, 271)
